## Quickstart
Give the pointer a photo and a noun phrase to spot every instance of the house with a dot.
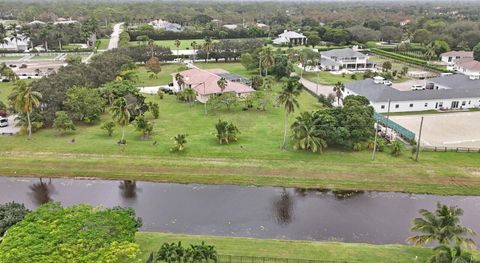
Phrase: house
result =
(36, 22)
(405, 22)
(262, 26)
(231, 27)
(442, 93)
(19, 44)
(467, 66)
(204, 82)
(165, 25)
(450, 57)
(290, 38)
(345, 58)
(63, 21)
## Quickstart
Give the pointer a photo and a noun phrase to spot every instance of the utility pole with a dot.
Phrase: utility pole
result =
(388, 118)
(419, 138)
(375, 142)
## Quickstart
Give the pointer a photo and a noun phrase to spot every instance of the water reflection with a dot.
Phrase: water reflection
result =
(128, 189)
(283, 208)
(41, 192)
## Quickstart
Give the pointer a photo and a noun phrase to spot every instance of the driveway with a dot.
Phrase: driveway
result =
(114, 37)
(11, 128)
(317, 88)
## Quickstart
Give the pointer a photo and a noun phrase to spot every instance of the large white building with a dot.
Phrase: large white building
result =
(290, 38)
(165, 25)
(15, 44)
(461, 62)
(443, 93)
(345, 58)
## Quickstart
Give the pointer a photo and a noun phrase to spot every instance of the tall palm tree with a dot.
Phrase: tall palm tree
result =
(194, 46)
(180, 80)
(306, 134)
(44, 38)
(24, 99)
(431, 51)
(442, 226)
(59, 36)
(207, 45)
(151, 44)
(267, 60)
(222, 84)
(121, 114)
(177, 44)
(288, 98)
(339, 88)
(190, 95)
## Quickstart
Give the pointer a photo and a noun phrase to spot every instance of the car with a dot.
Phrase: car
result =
(387, 83)
(3, 122)
(167, 89)
(417, 87)
(23, 66)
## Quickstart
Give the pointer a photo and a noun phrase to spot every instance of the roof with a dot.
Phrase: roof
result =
(342, 52)
(468, 63)
(460, 87)
(36, 22)
(291, 34)
(462, 54)
(328, 62)
(204, 82)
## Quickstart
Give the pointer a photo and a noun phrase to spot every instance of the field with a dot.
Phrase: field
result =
(327, 78)
(460, 130)
(103, 43)
(10, 57)
(151, 242)
(163, 77)
(43, 57)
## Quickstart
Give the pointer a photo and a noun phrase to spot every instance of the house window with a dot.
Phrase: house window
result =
(464, 103)
(440, 104)
(382, 107)
(426, 104)
(397, 106)
(411, 105)
(469, 102)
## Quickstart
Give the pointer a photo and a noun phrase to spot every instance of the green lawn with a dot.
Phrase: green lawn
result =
(352, 252)
(327, 78)
(43, 57)
(10, 57)
(103, 43)
(232, 67)
(163, 78)
(184, 43)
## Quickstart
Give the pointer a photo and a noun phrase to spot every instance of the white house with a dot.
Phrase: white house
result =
(12, 44)
(165, 25)
(290, 38)
(467, 66)
(230, 26)
(450, 57)
(444, 93)
(345, 58)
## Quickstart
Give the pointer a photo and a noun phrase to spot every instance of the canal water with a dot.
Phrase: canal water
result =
(260, 212)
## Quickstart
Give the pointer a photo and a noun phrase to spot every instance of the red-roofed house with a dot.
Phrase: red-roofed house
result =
(468, 66)
(204, 82)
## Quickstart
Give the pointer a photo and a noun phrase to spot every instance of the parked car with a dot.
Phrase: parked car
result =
(23, 66)
(3, 122)
(167, 89)
(417, 87)
(387, 83)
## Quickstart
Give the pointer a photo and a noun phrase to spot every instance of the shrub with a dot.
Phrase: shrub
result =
(154, 109)
(62, 122)
(226, 132)
(109, 127)
(396, 148)
(180, 141)
(160, 94)
(10, 214)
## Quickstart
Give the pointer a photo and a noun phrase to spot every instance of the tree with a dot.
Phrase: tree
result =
(339, 88)
(81, 232)
(387, 66)
(62, 122)
(193, 44)
(446, 254)
(180, 141)
(288, 98)
(282, 67)
(24, 99)
(153, 65)
(177, 44)
(314, 39)
(188, 95)
(267, 60)
(109, 127)
(180, 80)
(306, 135)
(144, 126)
(200, 253)
(228, 99)
(154, 109)
(476, 52)
(171, 252)
(226, 132)
(84, 104)
(442, 226)
(391, 34)
(10, 214)
(121, 115)
(222, 84)
(207, 45)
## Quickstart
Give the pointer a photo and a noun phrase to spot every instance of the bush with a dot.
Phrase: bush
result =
(226, 132)
(407, 59)
(160, 94)
(62, 122)
(180, 141)
(10, 214)
(396, 148)
(109, 127)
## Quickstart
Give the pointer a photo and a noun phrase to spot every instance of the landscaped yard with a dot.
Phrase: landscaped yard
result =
(103, 43)
(163, 78)
(327, 78)
(335, 251)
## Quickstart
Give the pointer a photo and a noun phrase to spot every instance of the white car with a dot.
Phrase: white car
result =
(418, 87)
(3, 122)
(387, 83)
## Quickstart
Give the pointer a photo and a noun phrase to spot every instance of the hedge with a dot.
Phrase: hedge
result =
(407, 59)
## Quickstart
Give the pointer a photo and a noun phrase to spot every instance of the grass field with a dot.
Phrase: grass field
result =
(151, 242)
(103, 43)
(163, 78)
(43, 57)
(327, 78)
(10, 57)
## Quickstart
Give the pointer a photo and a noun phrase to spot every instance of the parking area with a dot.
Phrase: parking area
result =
(407, 85)
(460, 129)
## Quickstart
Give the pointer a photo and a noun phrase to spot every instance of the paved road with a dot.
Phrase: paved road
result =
(115, 36)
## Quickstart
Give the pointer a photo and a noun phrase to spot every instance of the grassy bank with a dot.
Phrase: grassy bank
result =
(151, 242)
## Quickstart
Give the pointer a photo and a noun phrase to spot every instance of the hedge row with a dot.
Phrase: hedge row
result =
(407, 59)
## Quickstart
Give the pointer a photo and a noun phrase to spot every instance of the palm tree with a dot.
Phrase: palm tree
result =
(207, 45)
(44, 37)
(431, 51)
(180, 141)
(288, 98)
(121, 115)
(151, 44)
(339, 88)
(194, 46)
(222, 84)
(190, 95)
(59, 36)
(24, 99)
(445, 253)
(267, 59)
(306, 135)
(442, 226)
(177, 44)
(180, 80)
